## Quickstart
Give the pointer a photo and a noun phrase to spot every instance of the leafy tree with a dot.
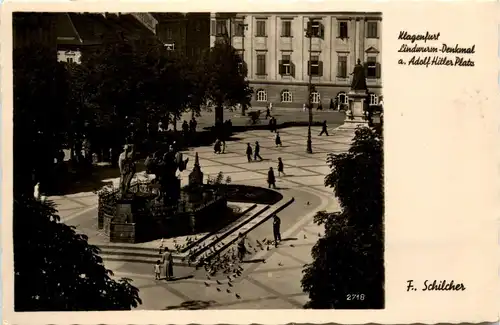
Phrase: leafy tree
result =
(127, 84)
(225, 79)
(349, 258)
(56, 269)
(40, 96)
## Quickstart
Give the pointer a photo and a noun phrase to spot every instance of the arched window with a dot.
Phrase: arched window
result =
(343, 99)
(261, 95)
(373, 99)
(316, 97)
(286, 96)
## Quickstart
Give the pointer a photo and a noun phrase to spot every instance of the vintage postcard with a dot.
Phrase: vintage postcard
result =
(251, 162)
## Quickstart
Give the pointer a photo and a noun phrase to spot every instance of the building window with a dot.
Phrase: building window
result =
(261, 64)
(286, 28)
(372, 68)
(69, 60)
(343, 99)
(286, 96)
(220, 28)
(285, 65)
(169, 33)
(373, 99)
(239, 28)
(343, 32)
(315, 66)
(315, 29)
(261, 95)
(261, 28)
(342, 67)
(371, 29)
(315, 97)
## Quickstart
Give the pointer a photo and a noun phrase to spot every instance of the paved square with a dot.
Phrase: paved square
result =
(270, 285)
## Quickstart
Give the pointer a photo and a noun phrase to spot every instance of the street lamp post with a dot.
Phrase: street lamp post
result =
(243, 27)
(309, 33)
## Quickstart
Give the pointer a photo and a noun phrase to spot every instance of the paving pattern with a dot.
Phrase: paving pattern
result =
(274, 283)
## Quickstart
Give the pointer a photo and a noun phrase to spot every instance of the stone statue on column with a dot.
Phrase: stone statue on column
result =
(359, 77)
(355, 115)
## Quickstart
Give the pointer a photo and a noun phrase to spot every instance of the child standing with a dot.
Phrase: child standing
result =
(157, 269)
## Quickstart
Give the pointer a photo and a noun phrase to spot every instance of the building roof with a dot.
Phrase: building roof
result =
(89, 28)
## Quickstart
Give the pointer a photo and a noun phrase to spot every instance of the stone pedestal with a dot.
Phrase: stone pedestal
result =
(355, 116)
(123, 212)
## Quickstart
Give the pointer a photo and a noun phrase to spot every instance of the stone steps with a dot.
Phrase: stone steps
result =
(216, 240)
(150, 254)
(232, 238)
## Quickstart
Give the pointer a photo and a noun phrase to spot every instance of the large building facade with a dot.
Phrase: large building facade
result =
(185, 33)
(281, 58)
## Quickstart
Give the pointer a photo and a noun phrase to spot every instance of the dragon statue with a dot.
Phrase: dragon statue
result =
(164, 165)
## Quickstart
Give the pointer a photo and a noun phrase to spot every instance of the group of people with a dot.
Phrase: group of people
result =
(334, 105)
(219, 146)
(271, 179)
(165, 266)
(256, 152)
(189, 128)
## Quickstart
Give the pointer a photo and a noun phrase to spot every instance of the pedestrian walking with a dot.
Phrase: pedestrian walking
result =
(185, 128)
(320, 107)
(271, 180)
(157, 270)
(281, 167)
(268, 113)
(303, 107)
(249, 152)
(256, 153)
(271, 124)
(276, 230)
(324, 129)
(332, 105)
(168, 261)
(270, 106)
(277, 139)
(192, 125)
(242, 249)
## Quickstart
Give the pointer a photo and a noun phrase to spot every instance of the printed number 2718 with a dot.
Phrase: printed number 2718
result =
(355, 296)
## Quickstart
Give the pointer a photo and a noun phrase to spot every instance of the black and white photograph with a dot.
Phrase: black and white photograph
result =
(169, 161)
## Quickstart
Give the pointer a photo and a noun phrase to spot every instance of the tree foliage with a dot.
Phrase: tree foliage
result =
(225, 79)
(349, 258)
(40, 115)
(56, 269)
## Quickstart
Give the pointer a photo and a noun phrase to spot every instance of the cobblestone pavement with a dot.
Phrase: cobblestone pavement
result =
(271, 278)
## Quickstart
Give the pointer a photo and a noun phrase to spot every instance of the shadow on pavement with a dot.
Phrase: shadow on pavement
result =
(252, 194)
(181, 278)
(92, 179)
(259, 260)
(192, 305)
